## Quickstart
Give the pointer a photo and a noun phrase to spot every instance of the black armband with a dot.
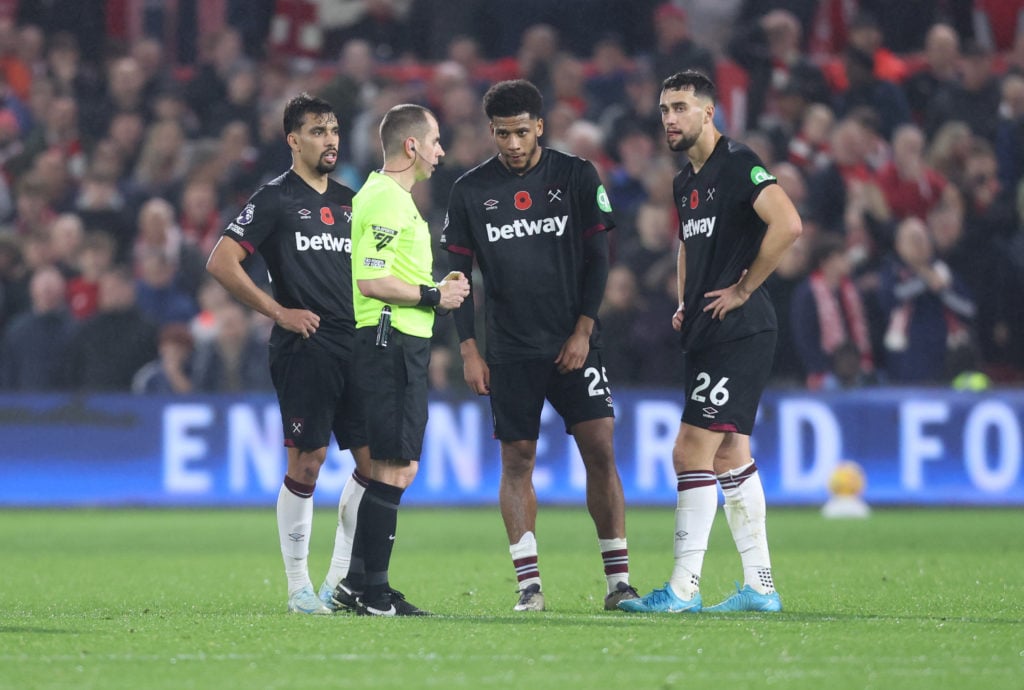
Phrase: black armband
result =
(430, 296)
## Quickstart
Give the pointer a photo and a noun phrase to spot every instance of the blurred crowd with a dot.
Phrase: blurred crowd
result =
(131, 132)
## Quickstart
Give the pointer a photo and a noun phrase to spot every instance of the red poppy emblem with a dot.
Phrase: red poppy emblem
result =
(326, 216)
(523, 200)
(694, 199)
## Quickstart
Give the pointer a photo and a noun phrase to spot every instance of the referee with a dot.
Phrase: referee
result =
(394, 297)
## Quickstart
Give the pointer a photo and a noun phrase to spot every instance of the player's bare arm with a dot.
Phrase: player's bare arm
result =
(576, 348)
(225, 264)
(474, 368)
(784, 227)
(680, 313)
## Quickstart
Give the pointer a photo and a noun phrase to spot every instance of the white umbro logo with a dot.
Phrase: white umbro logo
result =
(554, 195)
(491, 204)
(709, 412)
(305, 213)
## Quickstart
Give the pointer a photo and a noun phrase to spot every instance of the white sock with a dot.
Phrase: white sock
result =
(696, 506)
(745, 513)
(348, 510)
(524, 558)
(615, 557)
(294, 524)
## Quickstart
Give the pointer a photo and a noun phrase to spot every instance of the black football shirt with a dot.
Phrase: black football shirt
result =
(722, 235)
(527, 233)
(305, 239)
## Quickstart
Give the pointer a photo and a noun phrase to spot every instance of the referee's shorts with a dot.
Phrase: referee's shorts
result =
(393, 385)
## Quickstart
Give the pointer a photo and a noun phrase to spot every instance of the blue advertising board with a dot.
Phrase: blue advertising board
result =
(917, 446)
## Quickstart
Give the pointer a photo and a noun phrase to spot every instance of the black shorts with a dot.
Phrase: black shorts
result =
(317, 395)
(724, 383)
(393, 384)
(518, 391)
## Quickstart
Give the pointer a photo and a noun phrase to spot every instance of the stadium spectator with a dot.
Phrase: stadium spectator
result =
(116, 342)
(605, 78)
(157, 233)
(788, 368)
(66, 235)
(199, 216)
(927, 308)
(769, 49)
(1009, 143)
(911, 187)
(96, 257)
(938, 73)
(221, 54)
(163, 161)
(634, 112)
(649, 239)
(619, 311)
(632, 153)
(125, 92)
(849, 143)
(240, 102)
(234, 360)
(32, 349)
(158, 294)
(171, 372)
(974, 98)
(905, 24)
(674, 48)
(948, 151)
(865, 90)
(827, 314)
(808, 149)
(14, 277)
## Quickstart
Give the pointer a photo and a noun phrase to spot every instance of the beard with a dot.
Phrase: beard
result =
(323, 168)
(684, 142)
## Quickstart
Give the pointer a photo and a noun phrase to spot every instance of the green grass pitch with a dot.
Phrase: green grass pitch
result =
(182, 599)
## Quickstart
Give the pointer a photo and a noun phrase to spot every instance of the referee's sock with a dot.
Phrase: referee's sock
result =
(378, 519)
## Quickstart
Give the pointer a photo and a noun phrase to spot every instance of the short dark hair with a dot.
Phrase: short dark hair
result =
(691, 79)
(298, 107)
(511, 98)
(407, 119)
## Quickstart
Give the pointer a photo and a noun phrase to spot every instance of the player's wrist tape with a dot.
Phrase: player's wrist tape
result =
(430, 296)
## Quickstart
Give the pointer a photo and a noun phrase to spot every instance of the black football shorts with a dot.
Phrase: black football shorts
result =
(317, 395)
(393, 384)
(518, 391)
(724, 383)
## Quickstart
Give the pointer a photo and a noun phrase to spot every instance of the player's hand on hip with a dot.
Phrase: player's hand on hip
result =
(301, 321)
(453, 291)
(573, 353)
(726, 299)
(677, 318)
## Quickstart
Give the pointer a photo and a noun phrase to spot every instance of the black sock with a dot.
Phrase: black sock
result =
(375, 536)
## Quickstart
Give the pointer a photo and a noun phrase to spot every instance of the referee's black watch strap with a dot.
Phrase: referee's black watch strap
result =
(430, 296)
